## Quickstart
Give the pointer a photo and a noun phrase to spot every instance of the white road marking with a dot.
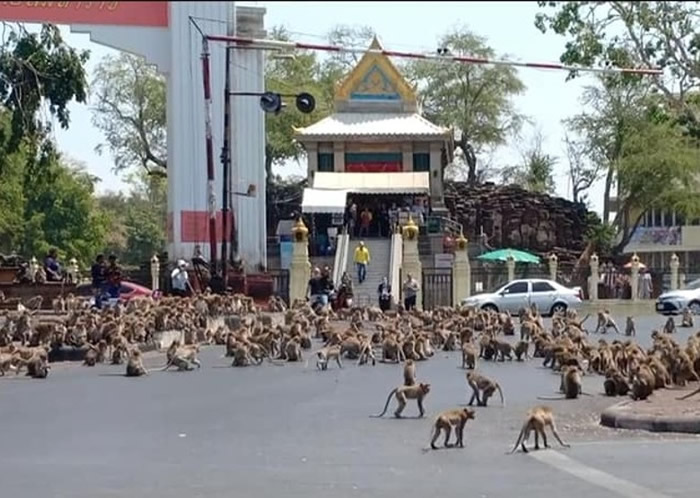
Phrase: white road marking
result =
(594, 476)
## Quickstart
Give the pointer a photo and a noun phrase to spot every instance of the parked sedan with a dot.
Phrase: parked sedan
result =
(673, 302)
(126, 292)
(549, 296)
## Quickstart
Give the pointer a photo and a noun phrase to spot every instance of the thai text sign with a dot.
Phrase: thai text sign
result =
(110, 13)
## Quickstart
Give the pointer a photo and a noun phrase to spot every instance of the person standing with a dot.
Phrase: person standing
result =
(362, 258)
(384, 291)
(99, 279)
(180, 280)
(114, 277)
(315, 289)
(410, 292)
(365, 221)
(646, 285)
(52, 267)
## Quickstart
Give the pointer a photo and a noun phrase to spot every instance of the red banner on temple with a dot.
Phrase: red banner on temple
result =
(374, 167)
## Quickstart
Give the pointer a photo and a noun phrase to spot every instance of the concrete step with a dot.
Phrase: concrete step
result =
(380, 255)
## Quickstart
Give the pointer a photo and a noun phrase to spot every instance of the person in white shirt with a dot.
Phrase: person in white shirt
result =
(180, 281)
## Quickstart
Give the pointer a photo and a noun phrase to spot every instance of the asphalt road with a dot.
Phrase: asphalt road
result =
(292, 431)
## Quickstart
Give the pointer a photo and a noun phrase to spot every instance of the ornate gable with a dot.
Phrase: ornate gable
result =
(375, 79)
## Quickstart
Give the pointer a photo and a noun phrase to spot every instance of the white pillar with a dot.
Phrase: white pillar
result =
(593, 279)
(300, 268)
(155, 273)
(510, 265)
(634, 277)
(73, 271)
(33, 268)
(461, 273)
(675, 264)
(553, 260)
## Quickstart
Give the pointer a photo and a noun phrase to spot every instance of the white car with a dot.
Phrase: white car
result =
(549, 296)
(673, 302)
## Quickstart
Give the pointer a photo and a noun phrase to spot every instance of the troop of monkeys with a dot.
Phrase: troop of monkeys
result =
(392, 337)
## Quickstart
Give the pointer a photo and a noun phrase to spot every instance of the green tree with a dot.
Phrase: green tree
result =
(536, 170)
(476, 100)
(662, 35)
(129, 109)
(138, 220)
(36, 69)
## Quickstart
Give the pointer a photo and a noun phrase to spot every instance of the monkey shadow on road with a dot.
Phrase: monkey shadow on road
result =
(291, 430)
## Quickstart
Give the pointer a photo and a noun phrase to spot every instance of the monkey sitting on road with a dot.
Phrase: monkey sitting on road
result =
(538, 418)
(687, 320)
(402, 393)
(484, 386)
(630, 329)
(521, 350)
(605, 321)
(615, 384)
(670, 326)
(570, 383)
(449, 419)
(135, 366)
(326, 354)
(469, 355)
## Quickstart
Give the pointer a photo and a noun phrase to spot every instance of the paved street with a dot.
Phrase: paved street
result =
(292, 431)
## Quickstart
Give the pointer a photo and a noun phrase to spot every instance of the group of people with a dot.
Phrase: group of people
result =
(106, 279)
(321, 289)
(410, 293)
(617, 284)
(377, 219)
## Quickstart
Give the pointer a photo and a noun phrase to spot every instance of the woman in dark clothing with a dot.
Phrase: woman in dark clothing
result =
(384, 291)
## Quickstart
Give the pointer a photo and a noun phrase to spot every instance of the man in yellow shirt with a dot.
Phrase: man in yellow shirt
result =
(361, 261)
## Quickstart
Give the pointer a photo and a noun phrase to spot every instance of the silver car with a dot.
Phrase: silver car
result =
(672, 302)
(549, 296)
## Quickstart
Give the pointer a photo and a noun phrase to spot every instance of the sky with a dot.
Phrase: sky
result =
(413, 26)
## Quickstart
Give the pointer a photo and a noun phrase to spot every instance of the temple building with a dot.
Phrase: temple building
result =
(376, 128)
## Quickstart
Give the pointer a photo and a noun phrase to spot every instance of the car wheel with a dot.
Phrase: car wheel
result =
(558, 308)
(489, 307)
(694, 307)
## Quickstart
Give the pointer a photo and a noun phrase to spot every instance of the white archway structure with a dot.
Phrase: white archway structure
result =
(164, 34)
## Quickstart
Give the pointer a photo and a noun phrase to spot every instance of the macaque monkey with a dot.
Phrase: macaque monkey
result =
(469, 355)
(538, 418)
(402, 393)
(615, 384)
(366, 353)
(7, 362)
(687, 320)
(570, 383)
(90, 356)
(670, 326)
(135, 366)
(630, 329)
(409, 373)
(484, 386)
(605, 321)
(449, 419)
(521, 350)
(326, 354)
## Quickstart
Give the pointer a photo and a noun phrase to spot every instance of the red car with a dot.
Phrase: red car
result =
(126, 292)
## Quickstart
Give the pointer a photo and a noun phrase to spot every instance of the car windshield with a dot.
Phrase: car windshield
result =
(694, 285)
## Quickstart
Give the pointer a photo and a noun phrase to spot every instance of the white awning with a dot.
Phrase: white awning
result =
(374, 183)
(323, 201)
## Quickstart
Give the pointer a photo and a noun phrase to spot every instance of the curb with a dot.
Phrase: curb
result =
(616, 417)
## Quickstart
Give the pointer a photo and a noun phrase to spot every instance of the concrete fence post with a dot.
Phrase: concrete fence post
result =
(510, 265)
(155, 273)
(634, 277)
(594, 278)
(553, 262)
(675, 265)
(300, 268)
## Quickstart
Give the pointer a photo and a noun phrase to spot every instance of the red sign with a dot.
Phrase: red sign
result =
(194, 226)
(374, 167)
(110, 13)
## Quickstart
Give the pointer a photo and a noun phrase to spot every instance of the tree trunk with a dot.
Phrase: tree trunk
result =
(470, 158)
(606, 194)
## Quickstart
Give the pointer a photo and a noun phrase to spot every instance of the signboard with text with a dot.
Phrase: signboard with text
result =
(109, 13)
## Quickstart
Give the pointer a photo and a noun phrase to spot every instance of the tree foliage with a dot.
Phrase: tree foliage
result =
(476, 100)
(582, 171)
(663, 35)
(129, 109)
(536, 170)
(39, 76)
(138, 219)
